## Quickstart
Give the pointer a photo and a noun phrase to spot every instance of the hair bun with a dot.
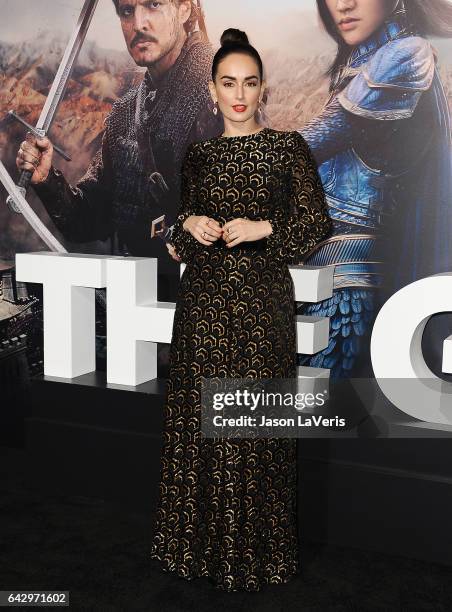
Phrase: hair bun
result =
(233, 36)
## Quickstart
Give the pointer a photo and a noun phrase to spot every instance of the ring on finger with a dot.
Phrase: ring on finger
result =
(203, 236)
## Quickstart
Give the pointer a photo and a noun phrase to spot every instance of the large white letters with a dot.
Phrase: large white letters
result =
(397, 360)
(136, 321)
(69, 301)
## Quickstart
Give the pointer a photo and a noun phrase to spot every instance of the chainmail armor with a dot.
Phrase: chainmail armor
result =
(115, 193)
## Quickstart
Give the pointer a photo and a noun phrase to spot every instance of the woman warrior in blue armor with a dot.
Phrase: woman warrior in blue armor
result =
(382, 143)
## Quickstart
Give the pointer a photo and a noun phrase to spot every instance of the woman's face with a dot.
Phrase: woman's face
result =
(237, 87)
(356, 20)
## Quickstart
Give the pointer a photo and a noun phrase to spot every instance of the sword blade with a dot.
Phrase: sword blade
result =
(35, 222)
(45, 234)
(58, 88)
(63, 75)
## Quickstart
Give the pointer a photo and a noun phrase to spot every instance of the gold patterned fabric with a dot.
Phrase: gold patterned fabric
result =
(227, 507)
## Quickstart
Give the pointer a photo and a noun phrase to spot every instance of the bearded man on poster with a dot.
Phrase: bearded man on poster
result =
(134, 179)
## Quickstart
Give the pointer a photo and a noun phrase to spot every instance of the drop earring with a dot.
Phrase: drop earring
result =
(215, 108)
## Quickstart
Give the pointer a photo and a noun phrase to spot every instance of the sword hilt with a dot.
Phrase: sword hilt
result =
(22, 186)
(36, 131)
(12, 205)
(25, 179)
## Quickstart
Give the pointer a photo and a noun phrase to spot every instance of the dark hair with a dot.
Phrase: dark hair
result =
(190, 24)
(235, 41)
(427, 17)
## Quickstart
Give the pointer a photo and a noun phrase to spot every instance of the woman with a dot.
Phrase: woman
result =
(252, 202)
(382, 143)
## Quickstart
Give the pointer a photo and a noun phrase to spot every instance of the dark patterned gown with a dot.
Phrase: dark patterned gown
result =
(227, 507)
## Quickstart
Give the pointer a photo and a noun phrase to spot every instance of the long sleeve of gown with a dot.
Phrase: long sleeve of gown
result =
(304, 222)
(183, 242)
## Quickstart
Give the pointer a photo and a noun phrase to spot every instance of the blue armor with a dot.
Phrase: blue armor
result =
(386, 118)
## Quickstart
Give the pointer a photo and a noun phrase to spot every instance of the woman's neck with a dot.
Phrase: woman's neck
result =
(240, 128)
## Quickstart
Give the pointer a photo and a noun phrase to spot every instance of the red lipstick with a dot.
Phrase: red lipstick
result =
(239, 108)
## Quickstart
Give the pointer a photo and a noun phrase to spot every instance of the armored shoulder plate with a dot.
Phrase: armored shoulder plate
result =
(390, 84)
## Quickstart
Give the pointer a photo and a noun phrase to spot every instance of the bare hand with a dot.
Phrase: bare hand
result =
(205, 229)
(172, 252)
(245, 230)
(35, 154)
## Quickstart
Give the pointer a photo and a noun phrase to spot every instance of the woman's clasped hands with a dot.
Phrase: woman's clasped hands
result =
(207, 230)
